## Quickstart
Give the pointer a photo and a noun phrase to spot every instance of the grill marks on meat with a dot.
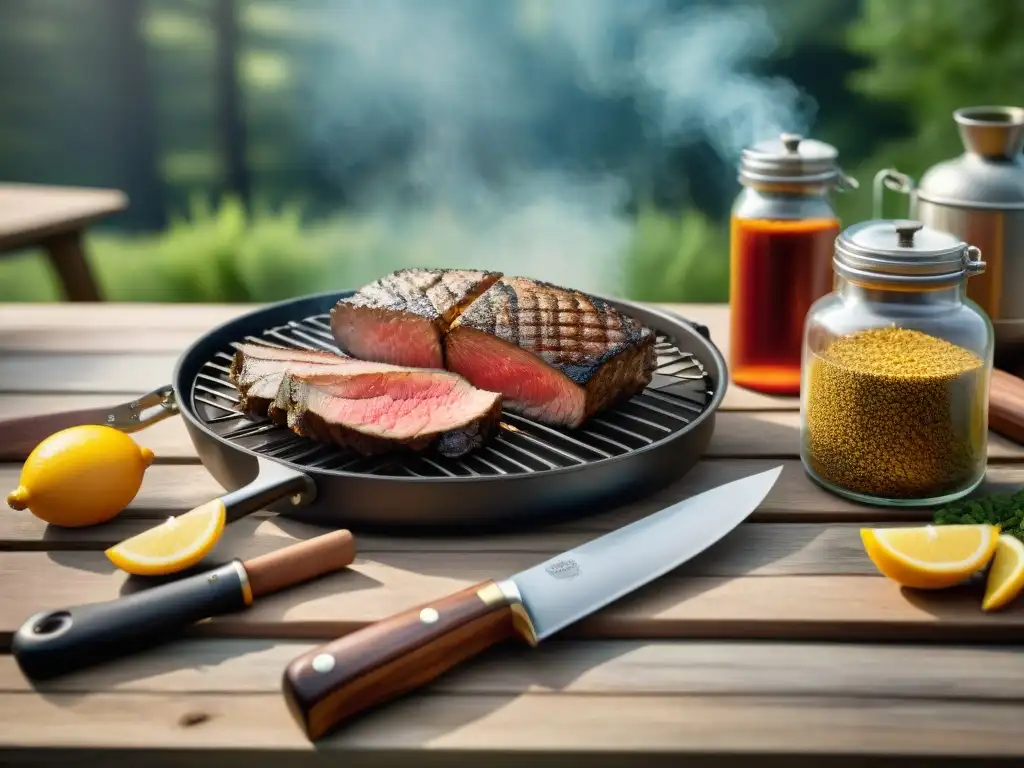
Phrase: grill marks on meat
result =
(437, 353)
(401, 318)
(371, 408)
(557, 355)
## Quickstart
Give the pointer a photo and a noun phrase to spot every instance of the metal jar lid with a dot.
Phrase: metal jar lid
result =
(792, 159)
(904, 252)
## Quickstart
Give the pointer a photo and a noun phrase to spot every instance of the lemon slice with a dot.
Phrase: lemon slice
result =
(179, 543)
(1006, 577)
(930, 556)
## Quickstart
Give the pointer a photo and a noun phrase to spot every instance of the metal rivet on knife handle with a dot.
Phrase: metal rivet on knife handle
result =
(429, 616)
(323, 663)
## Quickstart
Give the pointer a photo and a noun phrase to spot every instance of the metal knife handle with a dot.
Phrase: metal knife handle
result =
(54, 643)
(370, 666)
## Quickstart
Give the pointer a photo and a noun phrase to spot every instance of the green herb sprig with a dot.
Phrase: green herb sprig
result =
(1003, 509)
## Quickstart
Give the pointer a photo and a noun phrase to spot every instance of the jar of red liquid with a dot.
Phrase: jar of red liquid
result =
(781, 241)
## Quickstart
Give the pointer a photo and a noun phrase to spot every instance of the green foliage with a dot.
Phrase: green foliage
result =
(223, 255)
(1004, 509)
(682, 258)
(932, 58)
(921, 58)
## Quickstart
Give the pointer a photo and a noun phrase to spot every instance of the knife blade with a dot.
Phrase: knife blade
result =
(335, 681)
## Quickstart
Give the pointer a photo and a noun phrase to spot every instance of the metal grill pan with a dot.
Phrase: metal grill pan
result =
(531, 473)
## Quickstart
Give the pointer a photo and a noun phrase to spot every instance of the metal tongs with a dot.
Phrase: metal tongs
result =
(19, 436)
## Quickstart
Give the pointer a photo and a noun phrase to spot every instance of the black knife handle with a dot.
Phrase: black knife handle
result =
(54, 643)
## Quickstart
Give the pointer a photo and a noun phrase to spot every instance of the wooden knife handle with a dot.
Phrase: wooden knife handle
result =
(370, 666)
(1006, 405)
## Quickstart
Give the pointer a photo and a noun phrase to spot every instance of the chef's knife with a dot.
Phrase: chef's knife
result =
(335, 681)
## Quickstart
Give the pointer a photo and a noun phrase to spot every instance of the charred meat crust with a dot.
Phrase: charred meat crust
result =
(621, 377)
(256, 370)
(569, 330)
(436, 294)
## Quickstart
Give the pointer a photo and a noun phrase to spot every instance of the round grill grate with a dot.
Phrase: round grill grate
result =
(679, 392)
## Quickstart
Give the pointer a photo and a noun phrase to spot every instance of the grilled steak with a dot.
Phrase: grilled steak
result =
(257, 370)
(373, 408)
(401, 317)
(555, 354)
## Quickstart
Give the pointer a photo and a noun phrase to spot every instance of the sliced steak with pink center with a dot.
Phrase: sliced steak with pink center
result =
(556, 355)
(401, 317)
(257, 370)
(374, 408)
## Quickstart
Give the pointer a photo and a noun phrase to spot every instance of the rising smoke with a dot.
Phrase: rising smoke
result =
(507, 115)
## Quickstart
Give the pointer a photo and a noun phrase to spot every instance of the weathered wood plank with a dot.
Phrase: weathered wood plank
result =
(688, 602)
(167, 439)
(751, 550)
(442, 728)
(598, 667)
(100, 340)
(738, 434)
(170, 490)
(125, 316)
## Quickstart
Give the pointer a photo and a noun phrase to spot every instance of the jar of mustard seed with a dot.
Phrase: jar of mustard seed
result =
(895, 369)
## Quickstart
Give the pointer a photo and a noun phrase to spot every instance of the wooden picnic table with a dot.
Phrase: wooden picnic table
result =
(55, 219)
(782, 645)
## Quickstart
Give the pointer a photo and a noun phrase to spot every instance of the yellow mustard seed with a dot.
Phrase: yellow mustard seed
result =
(895, 413)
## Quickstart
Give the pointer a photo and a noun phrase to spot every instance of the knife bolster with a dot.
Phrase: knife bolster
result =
(507, 593)
(391, 657)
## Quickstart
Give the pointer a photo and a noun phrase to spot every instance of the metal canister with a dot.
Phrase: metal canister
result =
(979, 197)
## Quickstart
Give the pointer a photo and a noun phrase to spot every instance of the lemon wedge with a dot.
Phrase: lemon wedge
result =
(931, 556)
(1006, 576)
(172, 546)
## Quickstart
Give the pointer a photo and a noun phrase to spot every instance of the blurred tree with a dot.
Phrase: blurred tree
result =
(135, 128)
(933, 57)
(231, 125)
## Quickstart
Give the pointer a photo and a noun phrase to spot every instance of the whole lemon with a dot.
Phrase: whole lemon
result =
(81, 476)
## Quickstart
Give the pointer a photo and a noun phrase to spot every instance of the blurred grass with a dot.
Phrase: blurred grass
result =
(221, 255)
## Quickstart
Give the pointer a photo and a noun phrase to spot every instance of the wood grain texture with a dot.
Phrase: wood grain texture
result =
(170, 490)
(167, 439)
(30, 212)
(765, 549)
(20, 435)
(594, 667)
(393, 657)
(760, 696)
(59, 317)
(476, 729)
(632, 690)
(1006, 406)
(730, 591)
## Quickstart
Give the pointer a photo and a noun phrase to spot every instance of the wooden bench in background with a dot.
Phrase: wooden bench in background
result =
(55, 219)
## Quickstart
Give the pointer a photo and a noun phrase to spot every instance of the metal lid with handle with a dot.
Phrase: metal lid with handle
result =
(988, 176)
(791, 158)
(904, 251)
